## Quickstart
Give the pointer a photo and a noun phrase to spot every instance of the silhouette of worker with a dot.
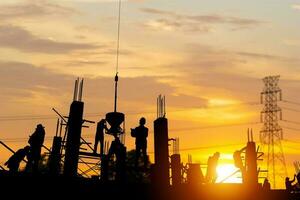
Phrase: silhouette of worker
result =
(140, 133)
(289, 184)
(266, 185)
(13, 163)
(119, 150)
(101, 127)
(238, 162)
(36, 141)
(212, 163)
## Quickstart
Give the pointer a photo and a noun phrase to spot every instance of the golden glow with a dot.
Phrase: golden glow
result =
(226, 170)
(207, 80)
(222, 102)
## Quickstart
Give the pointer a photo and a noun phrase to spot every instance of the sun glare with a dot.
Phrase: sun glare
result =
(225, 171)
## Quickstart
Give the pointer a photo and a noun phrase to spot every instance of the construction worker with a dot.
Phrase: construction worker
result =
(36, 141)
(119, 150)
(140, 133)
(101, 127)
(13, 163)
(212, 163)
(238, 162)
(266, 185)
(289, 184)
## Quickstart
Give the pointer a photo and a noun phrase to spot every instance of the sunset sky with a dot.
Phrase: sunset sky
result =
(208, 57)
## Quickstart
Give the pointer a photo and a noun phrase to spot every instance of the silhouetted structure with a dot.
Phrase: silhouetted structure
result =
(194, 174)
(99, 138)
(187, 181)
(176, 169)
(13, 163)
(115, 120)
(55, 154)
(140, 134)
(104, 168)
(248, 168)
(36, 141)
(176, 165)
(74, 125)
(271, 133)
(161, 145)
(251, 177)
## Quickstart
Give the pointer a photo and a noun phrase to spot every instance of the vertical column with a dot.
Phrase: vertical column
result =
(161, 147)
(251, 163)
(73, 138)
(176, 169)
(55, 156)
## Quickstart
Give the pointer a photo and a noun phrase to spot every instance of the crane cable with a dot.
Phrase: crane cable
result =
(118, 38)
(117, 58)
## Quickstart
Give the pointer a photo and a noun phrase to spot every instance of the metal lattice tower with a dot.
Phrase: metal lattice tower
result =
(271, 133)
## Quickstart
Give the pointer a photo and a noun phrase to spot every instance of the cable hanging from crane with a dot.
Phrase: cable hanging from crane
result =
(117, 57)
(116, 119)
(118, 38)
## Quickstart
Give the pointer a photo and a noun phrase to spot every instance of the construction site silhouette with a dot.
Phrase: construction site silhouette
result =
(127, 174)
(109, 167)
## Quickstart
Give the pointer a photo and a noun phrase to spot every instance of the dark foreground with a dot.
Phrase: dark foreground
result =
(38, 187)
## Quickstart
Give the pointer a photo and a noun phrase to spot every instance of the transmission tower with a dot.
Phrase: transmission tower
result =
(271, 133)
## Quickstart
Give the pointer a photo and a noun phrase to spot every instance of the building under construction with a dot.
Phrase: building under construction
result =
(111, 175)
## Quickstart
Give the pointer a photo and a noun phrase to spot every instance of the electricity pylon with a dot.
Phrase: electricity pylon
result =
(271, 133)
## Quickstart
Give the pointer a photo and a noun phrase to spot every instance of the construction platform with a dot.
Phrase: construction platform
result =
(37, 187)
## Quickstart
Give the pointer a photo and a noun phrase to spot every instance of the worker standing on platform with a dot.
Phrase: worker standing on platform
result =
(140, 133)
(36, 141)
(14, 161)
(101, 127)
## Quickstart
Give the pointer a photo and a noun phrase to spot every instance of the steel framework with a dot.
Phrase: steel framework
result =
(271, 133)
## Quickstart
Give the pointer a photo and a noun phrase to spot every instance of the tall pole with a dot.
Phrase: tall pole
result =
(116, 92)
(271, 134)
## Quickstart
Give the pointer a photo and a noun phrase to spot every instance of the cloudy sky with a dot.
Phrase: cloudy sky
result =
(207, 57)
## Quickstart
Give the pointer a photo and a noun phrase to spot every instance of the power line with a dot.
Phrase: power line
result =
(215, 126)
(118, 38)
(174, 130)
(205, 147)
(293, 141)
(292, 122)
(96, 114)
(291, 109)
(289, 147)
(294, 129)
(210, 147)
(291, 102)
